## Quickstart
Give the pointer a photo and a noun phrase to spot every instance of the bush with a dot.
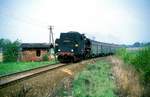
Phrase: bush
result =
(45, 57)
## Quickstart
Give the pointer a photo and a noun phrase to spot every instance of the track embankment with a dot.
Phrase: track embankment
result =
(127, 79)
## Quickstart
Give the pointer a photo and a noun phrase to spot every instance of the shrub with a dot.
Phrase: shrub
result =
(45, 57)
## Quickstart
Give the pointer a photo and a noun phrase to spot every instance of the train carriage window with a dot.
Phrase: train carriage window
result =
(38, 53)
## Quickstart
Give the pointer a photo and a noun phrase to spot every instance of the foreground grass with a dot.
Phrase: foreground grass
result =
(140, 60)
(13, 67)
(94, 81)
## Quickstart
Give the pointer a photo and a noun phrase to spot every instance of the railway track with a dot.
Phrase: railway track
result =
(10, 79)
(15, 77)
(41, 81)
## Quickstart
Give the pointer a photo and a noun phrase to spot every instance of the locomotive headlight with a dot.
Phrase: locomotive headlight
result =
(59, 50)
(72, 50)
(76, 45)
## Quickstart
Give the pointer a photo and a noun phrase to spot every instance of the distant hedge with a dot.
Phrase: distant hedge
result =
(10, 50)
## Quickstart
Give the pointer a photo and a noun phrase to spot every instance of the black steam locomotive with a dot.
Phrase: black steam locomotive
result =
(73, 46)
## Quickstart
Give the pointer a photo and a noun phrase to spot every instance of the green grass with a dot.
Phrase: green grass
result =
(94, 81)
(127, 56)
(13, 67)
(140, 60)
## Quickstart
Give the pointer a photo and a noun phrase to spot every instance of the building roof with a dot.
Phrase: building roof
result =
(35, 46)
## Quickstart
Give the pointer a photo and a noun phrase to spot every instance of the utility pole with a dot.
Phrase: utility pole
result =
(51, 37)
(51, 40)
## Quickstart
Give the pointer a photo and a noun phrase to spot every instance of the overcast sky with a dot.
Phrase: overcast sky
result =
(112, 21)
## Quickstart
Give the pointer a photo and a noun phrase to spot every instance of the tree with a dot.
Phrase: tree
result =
(10, 50)
(147, 44)
(4, 42)
(136, 44)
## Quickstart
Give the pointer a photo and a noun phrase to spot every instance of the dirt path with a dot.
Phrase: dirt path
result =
(127, 79)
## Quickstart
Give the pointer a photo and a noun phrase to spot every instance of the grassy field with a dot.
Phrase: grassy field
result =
(140, 60)
(13, 67)
(94, 81)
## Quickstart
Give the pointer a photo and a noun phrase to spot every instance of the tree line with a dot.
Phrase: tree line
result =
(137, 44)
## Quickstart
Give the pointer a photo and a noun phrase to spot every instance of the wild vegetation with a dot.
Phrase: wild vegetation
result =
(94, 81)
(140, 60)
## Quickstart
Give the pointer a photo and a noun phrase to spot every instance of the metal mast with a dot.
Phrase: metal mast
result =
(51, 39)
